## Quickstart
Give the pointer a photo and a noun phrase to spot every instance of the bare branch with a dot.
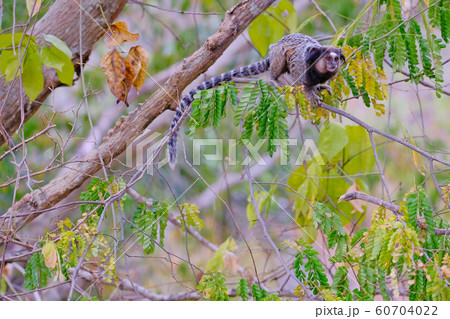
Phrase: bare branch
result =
(390, 206)
(389, 136)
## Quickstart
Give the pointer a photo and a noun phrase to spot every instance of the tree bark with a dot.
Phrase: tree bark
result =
(128, 128)
(62, 20)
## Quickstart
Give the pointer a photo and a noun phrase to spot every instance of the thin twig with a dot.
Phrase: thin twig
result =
(325, 15)
(390, 206)
(172, 10)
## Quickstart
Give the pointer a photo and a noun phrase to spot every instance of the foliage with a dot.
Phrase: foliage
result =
(261, 108)
(151, 223)
(97, 190)
(397, 255)
(310, 272)
(268, 28)
(264, 200)
(331, 225)
(212, 287)
(23, 50)
(346, 150)
(208, 107)
(189, 215)
(260, 294)
(391, 248)
(36, 272)
(242, 289)
(123, 73)
(224, 257)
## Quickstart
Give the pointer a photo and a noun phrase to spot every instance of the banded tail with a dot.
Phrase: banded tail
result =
(183, 108)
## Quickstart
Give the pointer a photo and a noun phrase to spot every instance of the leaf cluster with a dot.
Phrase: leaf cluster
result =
(151, 224)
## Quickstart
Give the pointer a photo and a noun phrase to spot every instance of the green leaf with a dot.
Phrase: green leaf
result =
(212, 286)
(242, 289)
(297, 177)
(331, 225)
(285, 12)
(190, 213)
(9, 63)
(32, 77)
(258, 293)
(264, 31)
(58, 43)
(52, 57)
(6, 40)
(333, 138)
(358, 152)
(152, 222)
(36, 273)
(57, 57)
(67, 72)
(264, 200)
(97, 190)
(216, 262)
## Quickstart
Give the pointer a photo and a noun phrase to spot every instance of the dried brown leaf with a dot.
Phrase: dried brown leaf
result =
(118, 34)
(138, 57)
(230, 261)
(119, 73)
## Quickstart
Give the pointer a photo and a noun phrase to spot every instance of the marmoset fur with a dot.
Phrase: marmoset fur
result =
(296, 59)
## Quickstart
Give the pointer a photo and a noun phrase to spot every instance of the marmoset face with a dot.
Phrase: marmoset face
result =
(332, 62)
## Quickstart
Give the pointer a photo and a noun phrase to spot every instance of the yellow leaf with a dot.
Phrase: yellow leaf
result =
(118, 34)
(418, 162)
(50, 254)
(445, 192)
(33, 6)
(138, 57)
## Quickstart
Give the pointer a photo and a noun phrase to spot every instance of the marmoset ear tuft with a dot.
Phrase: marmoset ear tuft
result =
(341, 56)
(312, 54)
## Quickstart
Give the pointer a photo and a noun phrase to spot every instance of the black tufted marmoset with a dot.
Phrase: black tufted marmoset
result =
(296, 59)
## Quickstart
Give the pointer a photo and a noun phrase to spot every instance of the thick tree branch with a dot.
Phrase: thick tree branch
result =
(129, 127)
(61, 20)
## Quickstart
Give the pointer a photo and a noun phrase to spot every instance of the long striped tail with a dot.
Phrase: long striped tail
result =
(184, 107)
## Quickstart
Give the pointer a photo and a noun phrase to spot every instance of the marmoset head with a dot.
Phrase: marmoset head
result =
(325, 59)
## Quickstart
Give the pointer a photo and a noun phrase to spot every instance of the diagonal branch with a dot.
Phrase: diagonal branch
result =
(392, 207)
(129, 127)
(382, 133)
